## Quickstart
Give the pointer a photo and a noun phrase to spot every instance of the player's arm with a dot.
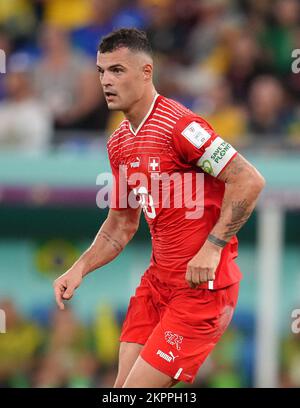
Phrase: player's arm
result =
(243, 184)
(198, 144)
(115, 233)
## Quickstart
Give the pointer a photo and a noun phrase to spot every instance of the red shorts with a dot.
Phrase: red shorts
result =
(178, 327)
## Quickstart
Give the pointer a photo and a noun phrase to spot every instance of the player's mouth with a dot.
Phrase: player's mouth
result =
(110, 95)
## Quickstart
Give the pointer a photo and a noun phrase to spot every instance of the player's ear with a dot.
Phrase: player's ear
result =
(148, 71)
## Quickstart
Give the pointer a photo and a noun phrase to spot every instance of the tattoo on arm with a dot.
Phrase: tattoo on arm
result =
(217, 241)
(239, 201)
(233, 171)
(117, 246)
(240, 214)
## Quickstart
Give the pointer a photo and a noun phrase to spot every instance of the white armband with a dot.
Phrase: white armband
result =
(216, 156)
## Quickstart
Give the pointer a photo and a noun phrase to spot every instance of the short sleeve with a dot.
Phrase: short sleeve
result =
(197, 143)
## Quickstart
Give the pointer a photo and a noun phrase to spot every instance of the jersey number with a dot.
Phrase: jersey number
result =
(146, 201)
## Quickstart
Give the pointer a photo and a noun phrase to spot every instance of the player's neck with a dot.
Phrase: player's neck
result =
(139, 110)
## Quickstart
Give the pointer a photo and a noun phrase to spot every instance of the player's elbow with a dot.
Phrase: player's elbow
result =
(255, 182)
(261, 182)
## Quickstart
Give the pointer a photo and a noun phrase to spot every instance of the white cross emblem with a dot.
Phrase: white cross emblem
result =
(154, 164)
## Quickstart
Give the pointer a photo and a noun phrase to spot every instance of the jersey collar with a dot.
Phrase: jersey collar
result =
(145, 118)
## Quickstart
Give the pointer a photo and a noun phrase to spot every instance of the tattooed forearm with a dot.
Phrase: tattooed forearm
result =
(241, 211)
(118, 247)
(243, 184)
(219, 242)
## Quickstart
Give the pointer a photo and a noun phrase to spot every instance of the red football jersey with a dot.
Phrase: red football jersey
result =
(169, 167)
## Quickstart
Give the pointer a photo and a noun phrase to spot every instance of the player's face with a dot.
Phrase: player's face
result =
(124, 76)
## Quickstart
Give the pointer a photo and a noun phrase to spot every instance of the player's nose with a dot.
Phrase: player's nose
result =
(106, 80)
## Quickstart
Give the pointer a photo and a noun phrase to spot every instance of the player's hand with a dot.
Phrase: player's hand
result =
(202, 267)
(65, 285)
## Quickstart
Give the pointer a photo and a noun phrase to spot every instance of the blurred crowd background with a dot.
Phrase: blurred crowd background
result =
(228, 60)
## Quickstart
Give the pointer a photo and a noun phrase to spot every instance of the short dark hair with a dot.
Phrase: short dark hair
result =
(131, 38)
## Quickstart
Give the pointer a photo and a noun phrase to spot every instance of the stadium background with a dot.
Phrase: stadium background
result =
(230, 61)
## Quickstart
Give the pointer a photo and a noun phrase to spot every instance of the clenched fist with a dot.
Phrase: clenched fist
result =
(202, 267)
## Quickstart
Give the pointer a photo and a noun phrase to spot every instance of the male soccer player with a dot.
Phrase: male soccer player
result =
(187, 295)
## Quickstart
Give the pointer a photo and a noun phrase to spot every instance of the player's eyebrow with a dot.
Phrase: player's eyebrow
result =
(100, 69)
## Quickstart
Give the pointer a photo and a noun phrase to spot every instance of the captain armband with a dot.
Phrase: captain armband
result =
(216, 156)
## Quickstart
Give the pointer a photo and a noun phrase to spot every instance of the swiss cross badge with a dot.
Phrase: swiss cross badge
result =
(154, 164)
